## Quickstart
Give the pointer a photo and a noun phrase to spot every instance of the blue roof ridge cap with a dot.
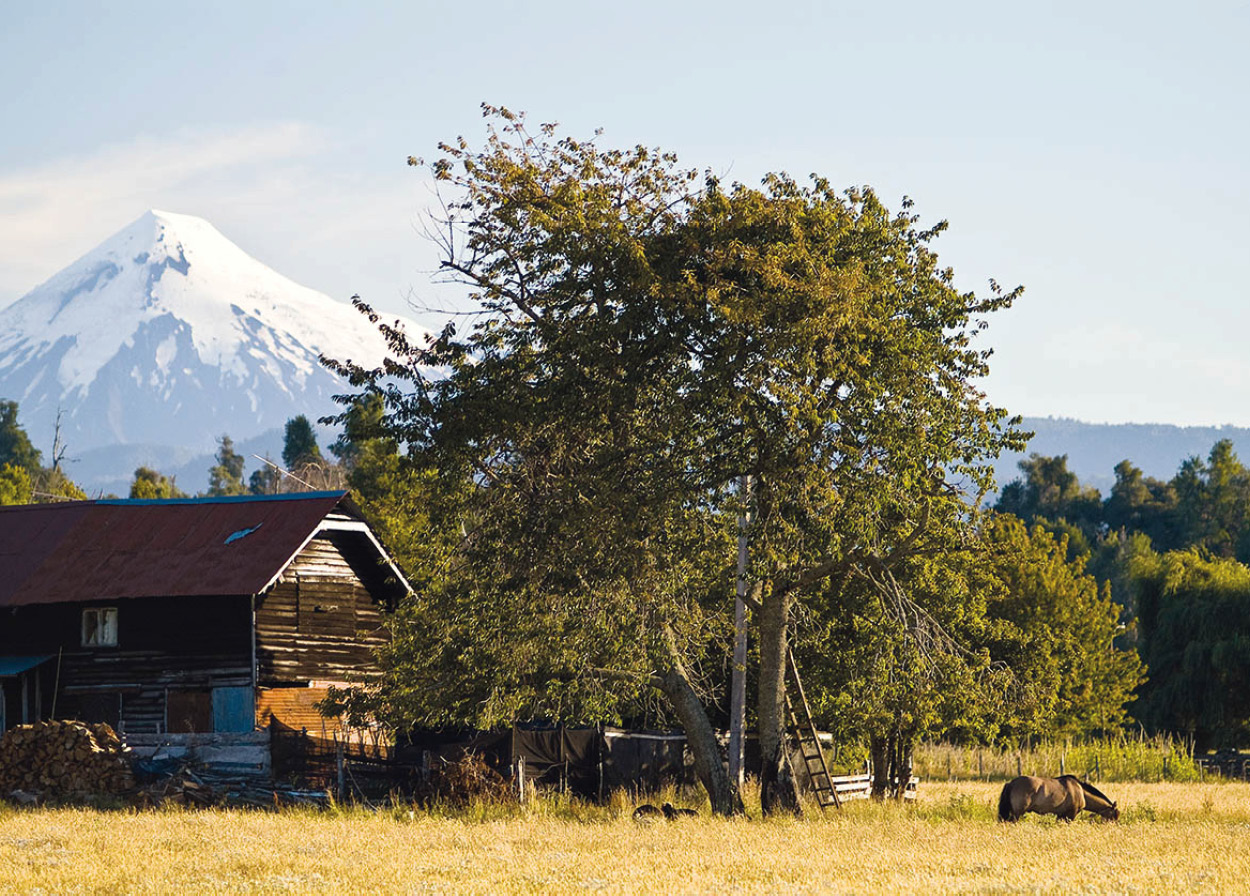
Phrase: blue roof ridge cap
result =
(219, 499)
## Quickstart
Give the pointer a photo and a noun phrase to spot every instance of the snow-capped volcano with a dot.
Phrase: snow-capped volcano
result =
(169, 334)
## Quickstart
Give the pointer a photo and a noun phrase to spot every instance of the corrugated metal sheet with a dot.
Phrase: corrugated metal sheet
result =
(107, 550)
(16, 665)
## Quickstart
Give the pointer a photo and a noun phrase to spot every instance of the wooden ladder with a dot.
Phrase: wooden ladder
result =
(803, 730)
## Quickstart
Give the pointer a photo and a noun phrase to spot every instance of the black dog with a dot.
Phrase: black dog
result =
(648, 812)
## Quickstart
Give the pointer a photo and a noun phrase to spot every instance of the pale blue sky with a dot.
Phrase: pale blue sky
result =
(1095, 152)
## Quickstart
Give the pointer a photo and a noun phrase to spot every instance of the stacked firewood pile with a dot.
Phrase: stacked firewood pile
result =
(63, 758)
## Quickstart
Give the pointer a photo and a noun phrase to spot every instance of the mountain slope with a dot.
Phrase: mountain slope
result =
(168, 334)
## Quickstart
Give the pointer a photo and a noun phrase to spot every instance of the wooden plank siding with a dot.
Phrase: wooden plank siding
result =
(163, 644)
(319, 622)
(294, 708)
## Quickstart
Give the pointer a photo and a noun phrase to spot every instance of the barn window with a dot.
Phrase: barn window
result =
(99, 627)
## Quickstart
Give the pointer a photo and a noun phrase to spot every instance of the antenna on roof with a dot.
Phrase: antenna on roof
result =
(265, 460)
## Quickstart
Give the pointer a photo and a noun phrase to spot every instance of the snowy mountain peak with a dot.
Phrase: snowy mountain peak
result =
(168, 333)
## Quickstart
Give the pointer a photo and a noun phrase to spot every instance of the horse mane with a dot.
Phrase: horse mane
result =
(1090, 788)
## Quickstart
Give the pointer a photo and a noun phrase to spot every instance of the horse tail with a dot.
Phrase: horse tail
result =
(1004, 803)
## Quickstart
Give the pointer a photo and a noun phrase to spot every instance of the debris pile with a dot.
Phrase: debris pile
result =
(463, 781)
(187, 786)
(64, 759)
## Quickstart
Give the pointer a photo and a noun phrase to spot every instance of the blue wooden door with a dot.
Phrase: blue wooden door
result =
(233, 711)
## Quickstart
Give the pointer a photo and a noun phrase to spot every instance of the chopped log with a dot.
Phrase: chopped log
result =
(64, 759)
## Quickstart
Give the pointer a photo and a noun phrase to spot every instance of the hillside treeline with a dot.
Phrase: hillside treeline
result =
(1173, 555)
(25, 478)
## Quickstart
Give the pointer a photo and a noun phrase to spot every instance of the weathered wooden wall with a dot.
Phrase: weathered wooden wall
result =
(319, 623)
(183, 645)
(294, 708)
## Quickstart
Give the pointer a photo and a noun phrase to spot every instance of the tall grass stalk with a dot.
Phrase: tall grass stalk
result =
(1125, 758)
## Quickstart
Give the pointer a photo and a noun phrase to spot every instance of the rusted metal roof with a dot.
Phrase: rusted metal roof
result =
(113, 549)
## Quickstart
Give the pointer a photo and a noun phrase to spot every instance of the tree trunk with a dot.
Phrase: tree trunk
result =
(880, 752)
(778, 792)
(891, 764)
(903, 768)
(700, 736)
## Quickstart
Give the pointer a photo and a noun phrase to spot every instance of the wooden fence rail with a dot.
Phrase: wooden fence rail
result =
(859, 787)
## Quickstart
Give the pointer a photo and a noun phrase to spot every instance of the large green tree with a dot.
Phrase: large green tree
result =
(645, 347)
(832, 364)
(1061, 636)
(1194, 613)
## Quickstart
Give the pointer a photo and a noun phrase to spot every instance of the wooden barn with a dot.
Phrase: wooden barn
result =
(196, 615)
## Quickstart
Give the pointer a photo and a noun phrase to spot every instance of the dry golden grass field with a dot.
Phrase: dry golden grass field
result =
(1172, 838)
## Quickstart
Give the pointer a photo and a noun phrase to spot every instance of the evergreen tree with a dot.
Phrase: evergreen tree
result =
(1194, 612)
(1052, 494)
(226, 476)
(15, 445)
(300, 444)
(1139, 503)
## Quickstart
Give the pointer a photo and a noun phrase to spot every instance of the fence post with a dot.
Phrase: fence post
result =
(340, 767)
(520, 778)
(1062, 769)
(1019, 764)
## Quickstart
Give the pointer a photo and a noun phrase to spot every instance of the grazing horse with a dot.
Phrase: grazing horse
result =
(1064, 796)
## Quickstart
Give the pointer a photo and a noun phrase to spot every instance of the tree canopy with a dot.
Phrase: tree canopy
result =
(299, 445)
(646, 345)
(148, 484)
(15, 445)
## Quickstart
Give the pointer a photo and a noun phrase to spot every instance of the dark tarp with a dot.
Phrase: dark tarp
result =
(428, 746)
(565, 758)
(645, 761)
(587, 762)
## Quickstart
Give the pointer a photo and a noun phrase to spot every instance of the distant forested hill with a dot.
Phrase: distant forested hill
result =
(1093, 449)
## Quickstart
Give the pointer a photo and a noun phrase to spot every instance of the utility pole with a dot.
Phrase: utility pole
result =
(738, 682)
